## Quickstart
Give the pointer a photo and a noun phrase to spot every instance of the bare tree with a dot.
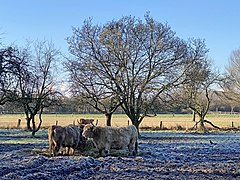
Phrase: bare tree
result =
(133, 60)
(227, 98)
(197, 93)
(10, 63)
(37, 87)
(231, 82)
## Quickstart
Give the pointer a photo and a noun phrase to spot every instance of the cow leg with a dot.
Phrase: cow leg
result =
(67, 150)
(56, 149)
(107, 152)
(102, 152)
(132, 149)
(107, 148)
(73, 151)
(51, 148)
(136, 147)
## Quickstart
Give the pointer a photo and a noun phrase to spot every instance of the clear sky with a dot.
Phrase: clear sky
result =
(216, 21)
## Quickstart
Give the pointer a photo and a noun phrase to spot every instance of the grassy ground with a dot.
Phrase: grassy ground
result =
(169, 121)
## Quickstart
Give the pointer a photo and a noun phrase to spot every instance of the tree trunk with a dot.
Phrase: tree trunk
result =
(33, 123)
(28, 119)
(36, 130)
(194, 116)
(202, 126)
(201, 123)
(136, 123)
(40, 123)
(108, 118)
(28, 124)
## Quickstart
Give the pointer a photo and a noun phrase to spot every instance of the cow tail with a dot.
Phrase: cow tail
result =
(50, 138)
(53, 136)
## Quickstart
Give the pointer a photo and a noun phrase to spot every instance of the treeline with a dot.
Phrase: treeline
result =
(70, 105)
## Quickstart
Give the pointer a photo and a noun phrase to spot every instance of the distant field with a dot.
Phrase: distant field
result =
(168, 120)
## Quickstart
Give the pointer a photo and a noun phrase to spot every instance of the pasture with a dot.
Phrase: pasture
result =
(161, 155)
(169, 121)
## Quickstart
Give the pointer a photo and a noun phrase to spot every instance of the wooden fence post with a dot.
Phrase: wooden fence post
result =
(96, 122)
(194, 116)
(160, 125)
(19, 123)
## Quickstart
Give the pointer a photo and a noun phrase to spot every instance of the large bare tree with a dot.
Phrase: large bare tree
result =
(134, 60)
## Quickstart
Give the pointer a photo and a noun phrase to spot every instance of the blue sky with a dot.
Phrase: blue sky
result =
(216, 21)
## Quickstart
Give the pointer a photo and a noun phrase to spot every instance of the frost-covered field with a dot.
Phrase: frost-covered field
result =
(162, 155)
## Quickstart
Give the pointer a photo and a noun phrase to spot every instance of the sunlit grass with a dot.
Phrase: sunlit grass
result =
(9, 121)
(13, 136)
(23, 141)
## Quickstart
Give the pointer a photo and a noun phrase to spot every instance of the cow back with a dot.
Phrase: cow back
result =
(118, 137)
(122, 136)
(72, 136)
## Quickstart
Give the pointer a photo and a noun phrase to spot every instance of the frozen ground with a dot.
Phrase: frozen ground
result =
(162, 155)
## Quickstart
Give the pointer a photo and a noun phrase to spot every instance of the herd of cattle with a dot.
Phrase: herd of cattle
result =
(72, 137)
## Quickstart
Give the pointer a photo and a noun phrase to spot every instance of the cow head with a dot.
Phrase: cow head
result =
(85, 121)
(88, 131)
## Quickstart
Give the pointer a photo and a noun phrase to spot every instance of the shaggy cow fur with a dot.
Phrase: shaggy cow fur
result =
(69, 137)
(107, 137)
